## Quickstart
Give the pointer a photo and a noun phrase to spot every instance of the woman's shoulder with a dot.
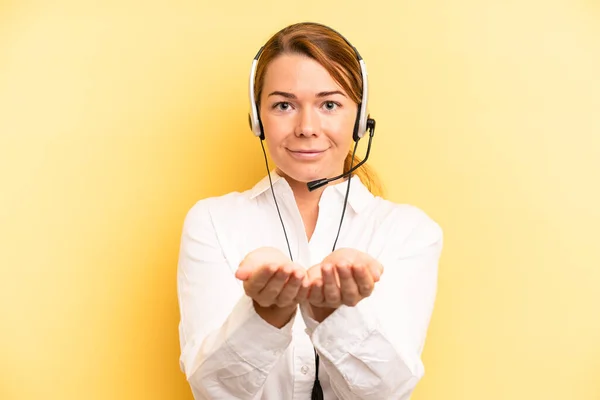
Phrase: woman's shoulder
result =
(221, 205)
(407, 222)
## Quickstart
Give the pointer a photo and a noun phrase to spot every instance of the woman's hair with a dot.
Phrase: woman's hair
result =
(329, 49)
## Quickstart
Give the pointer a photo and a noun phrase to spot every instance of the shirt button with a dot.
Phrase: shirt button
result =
(304, 369)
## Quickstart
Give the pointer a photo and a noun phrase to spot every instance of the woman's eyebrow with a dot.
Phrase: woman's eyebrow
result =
(325, 94)
(283, 94)
(293, 96)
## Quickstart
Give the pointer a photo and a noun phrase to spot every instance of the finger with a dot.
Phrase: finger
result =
(336, 274)
(333, 262)
(331, 291)
(242, 275)
(315, 294)
(303, 291)
(375, 268)
(258, 279)
(364, 281)
(348, 287)
(270, 291)
(313, 273)
(290, 289)
(244, 270)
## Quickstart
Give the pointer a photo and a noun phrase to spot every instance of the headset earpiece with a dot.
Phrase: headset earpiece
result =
(356, 134)
(261, 130)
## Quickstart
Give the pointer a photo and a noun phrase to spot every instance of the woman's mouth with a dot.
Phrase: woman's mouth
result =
(306, 154)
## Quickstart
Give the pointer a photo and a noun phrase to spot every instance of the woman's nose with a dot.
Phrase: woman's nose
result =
(308, 122)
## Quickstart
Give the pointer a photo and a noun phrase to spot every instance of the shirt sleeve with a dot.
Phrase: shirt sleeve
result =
(373, 350)
(227, 349)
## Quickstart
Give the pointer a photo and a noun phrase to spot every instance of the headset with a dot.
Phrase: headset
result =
(363, 122)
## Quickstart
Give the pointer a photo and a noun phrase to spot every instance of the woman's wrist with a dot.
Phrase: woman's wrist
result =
(320, 313)
(276, 316)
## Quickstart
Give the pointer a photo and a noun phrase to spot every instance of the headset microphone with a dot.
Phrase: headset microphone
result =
(313, 185)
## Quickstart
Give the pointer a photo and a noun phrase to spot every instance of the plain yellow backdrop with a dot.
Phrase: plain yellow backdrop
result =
(116, 116)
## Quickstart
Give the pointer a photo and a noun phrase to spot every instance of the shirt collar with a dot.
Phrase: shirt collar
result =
(358, 198)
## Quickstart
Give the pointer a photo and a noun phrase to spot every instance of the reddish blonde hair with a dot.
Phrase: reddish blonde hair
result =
(330, 50)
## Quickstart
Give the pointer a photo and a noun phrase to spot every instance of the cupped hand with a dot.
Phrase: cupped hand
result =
(272, 279)
(346, 276)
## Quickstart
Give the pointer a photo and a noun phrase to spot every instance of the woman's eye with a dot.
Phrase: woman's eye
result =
(330, 105)
(282, 106)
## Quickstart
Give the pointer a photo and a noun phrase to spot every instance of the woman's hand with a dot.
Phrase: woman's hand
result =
(271, 279)
(346, 276)
(275, 284)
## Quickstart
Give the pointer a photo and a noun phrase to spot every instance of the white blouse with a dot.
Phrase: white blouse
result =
(370, 351)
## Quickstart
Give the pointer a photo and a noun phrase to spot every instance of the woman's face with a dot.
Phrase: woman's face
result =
(307, 118)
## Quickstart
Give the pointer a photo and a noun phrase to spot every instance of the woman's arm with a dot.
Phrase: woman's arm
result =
(373, 350)
(227, 348)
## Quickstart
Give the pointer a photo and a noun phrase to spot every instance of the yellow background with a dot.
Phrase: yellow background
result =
(116, 116)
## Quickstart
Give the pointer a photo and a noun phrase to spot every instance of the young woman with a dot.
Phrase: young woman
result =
(291, 292)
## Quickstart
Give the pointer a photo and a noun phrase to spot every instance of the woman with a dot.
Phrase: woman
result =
(268, 310)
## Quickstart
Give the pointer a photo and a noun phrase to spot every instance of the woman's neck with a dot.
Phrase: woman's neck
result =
(307, 202)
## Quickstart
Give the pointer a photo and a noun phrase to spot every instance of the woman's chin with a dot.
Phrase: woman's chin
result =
(301, 176)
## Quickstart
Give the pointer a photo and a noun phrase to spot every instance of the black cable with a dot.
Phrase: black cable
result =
(275, 200)
(346, 198)
(317, 391)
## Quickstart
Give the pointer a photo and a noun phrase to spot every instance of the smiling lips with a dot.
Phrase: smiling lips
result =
(306, 154)
(307, 151)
